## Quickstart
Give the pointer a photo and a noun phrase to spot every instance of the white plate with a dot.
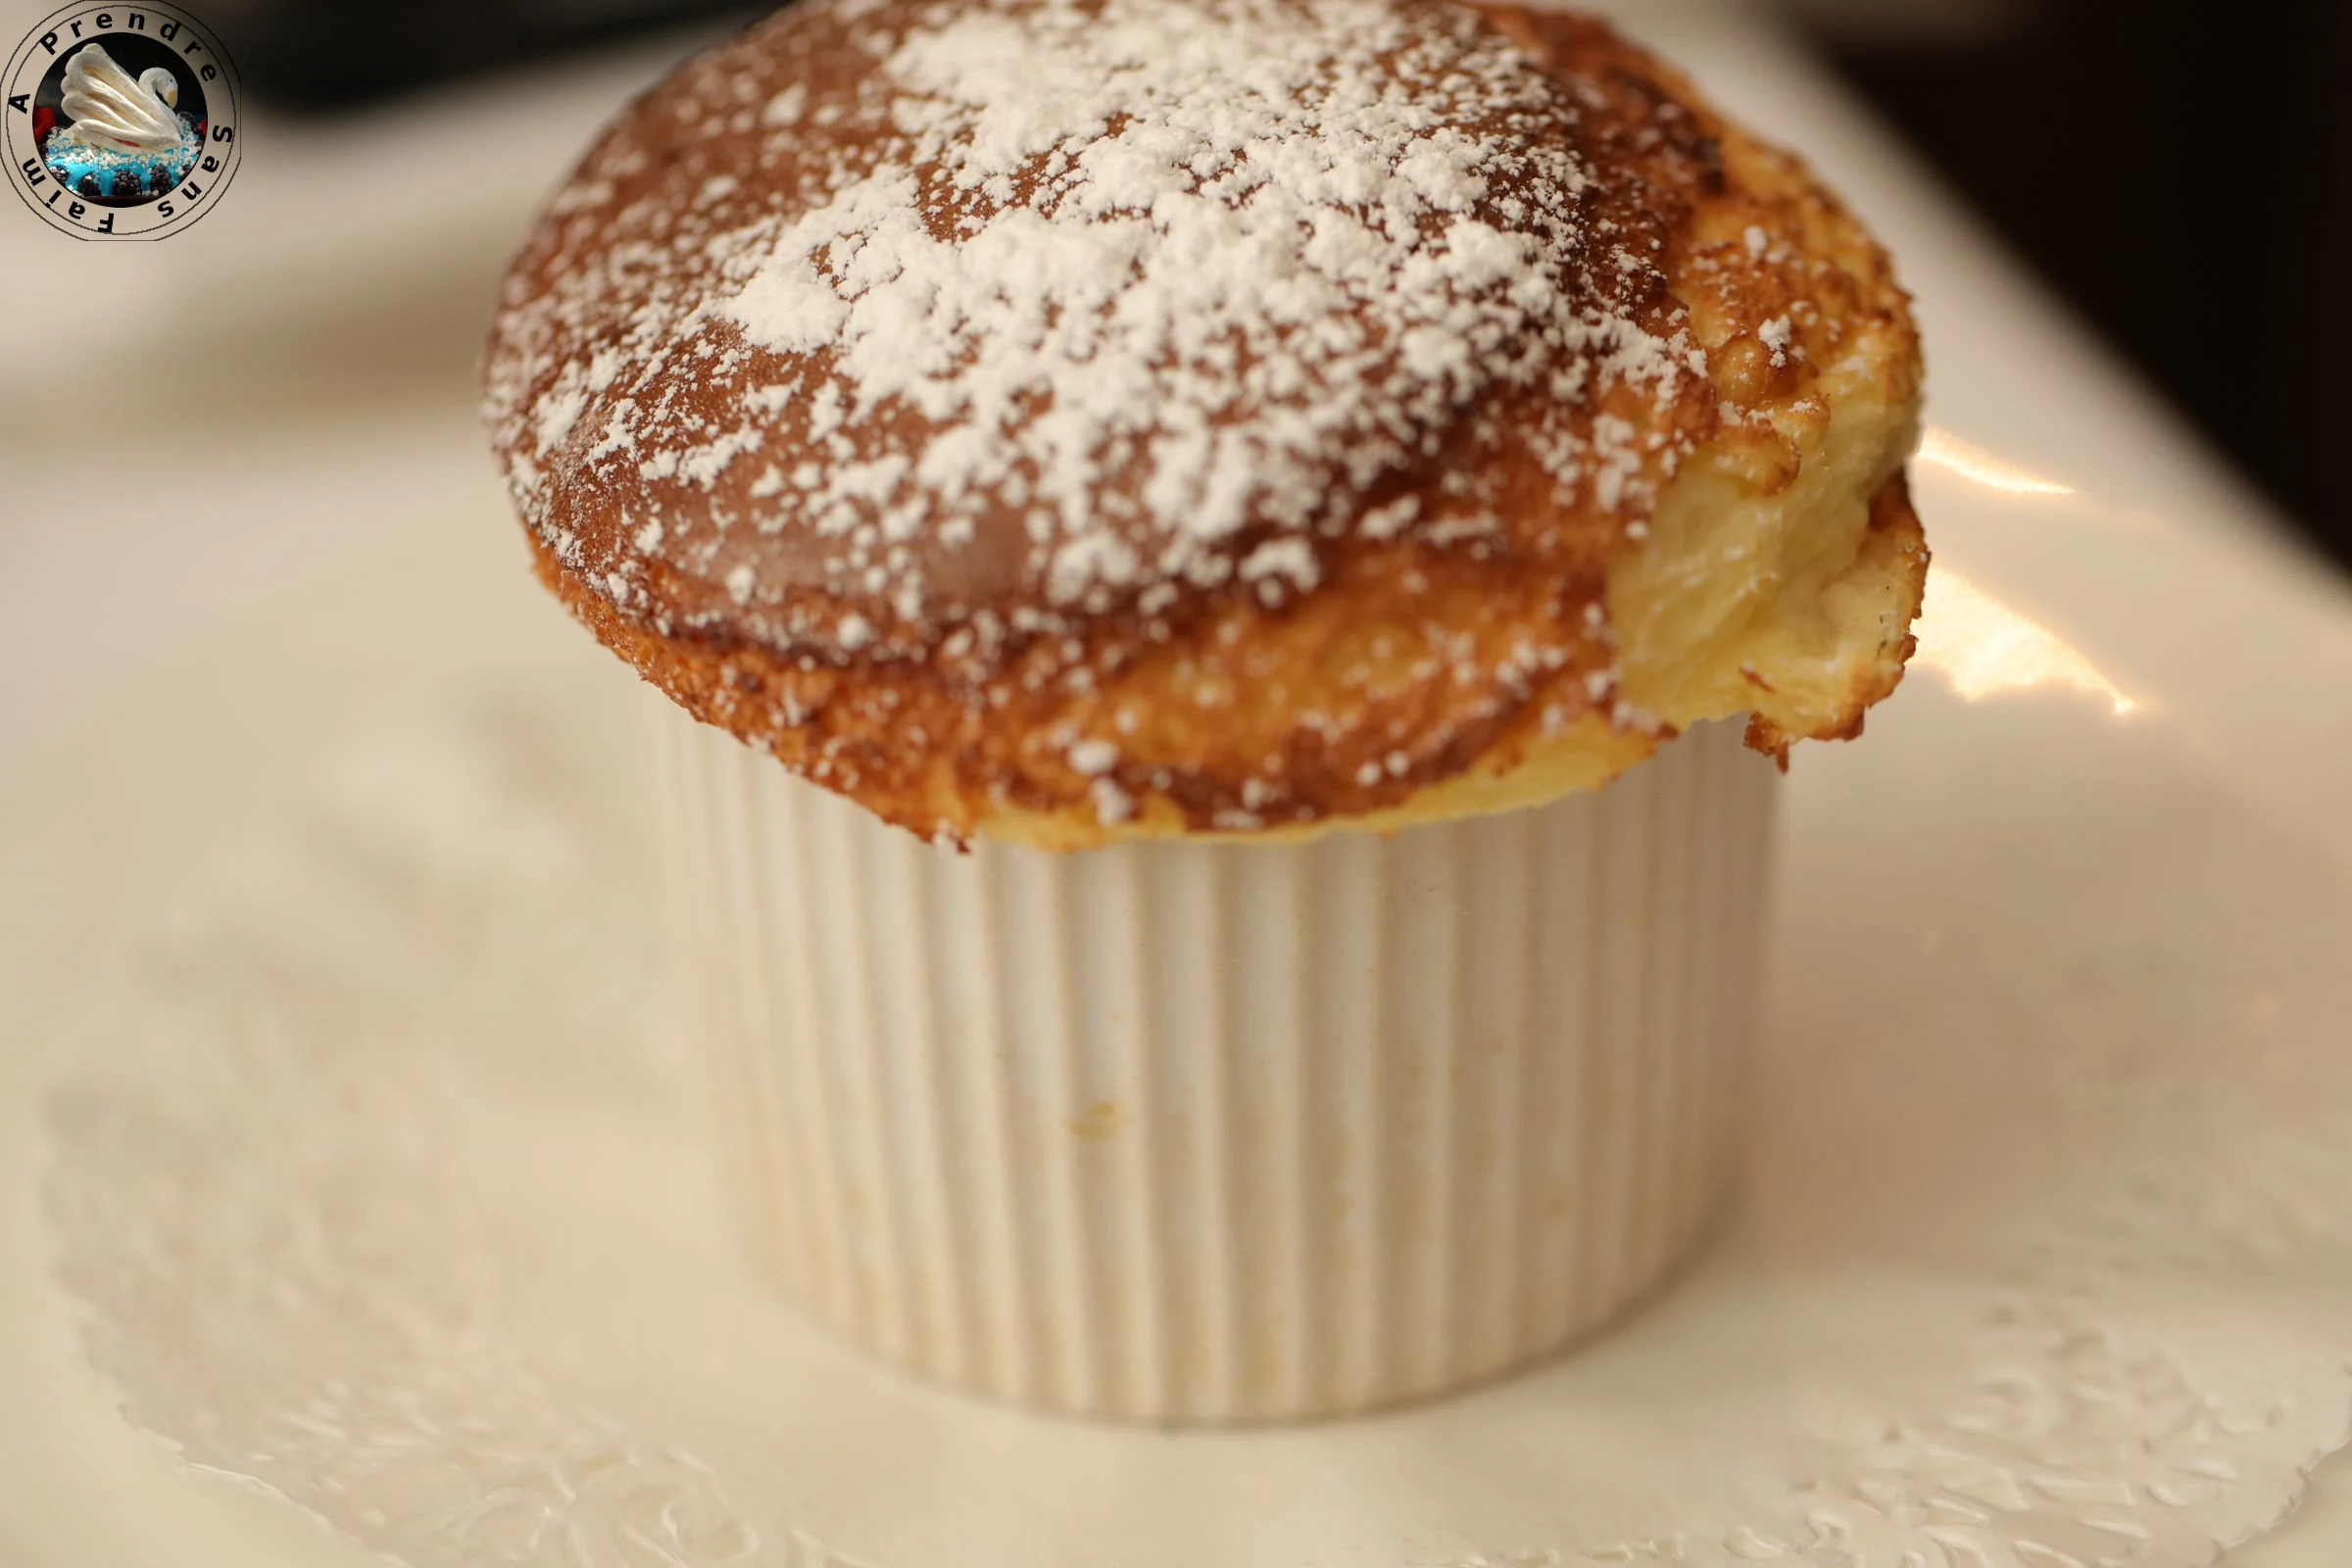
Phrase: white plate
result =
(2074, 905)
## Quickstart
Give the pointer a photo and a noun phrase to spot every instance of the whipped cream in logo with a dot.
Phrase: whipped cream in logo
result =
(110, 109)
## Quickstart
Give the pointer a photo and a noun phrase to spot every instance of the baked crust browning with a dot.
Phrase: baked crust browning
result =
(1691, 510)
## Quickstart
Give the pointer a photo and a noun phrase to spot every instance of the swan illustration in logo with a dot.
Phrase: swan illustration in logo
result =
(118, 126)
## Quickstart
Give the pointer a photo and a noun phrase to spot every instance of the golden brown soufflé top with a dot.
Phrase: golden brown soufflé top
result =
(1071, 419)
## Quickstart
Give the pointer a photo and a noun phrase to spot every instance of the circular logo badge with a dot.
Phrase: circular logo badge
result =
(122, 120)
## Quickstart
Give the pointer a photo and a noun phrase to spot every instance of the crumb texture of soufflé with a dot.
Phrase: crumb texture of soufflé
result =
(1073, 420)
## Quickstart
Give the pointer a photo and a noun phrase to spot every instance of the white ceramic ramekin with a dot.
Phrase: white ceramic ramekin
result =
(1214, 1131)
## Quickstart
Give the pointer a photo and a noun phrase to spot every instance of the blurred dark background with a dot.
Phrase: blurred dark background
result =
(2179, 170)
(2182, 173)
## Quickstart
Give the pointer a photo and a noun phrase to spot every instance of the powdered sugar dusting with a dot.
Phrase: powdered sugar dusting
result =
(1054, 306)
(1232, 241)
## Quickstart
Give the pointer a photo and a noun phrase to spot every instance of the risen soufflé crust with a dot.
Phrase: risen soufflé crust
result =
(1063, 420)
